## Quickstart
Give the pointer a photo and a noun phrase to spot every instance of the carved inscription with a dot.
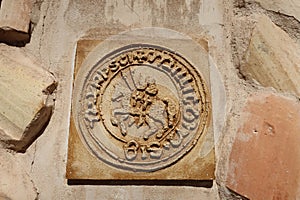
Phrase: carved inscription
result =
(143, 108)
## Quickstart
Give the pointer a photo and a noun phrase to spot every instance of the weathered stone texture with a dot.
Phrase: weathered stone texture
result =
(265, 158)
(273, 58)
(15, 21)
(15, 14)
(287, 7)
(23, 94)
(12, 172)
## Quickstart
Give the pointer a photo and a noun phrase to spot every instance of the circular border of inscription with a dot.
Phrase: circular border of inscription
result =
(100, 114)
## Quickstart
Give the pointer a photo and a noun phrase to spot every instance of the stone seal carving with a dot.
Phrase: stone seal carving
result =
(141, 107)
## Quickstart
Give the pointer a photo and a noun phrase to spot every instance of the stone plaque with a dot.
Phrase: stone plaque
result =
(141, 109)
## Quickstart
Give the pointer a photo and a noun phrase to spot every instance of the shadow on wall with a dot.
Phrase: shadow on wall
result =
(14, 37)
(194, 183)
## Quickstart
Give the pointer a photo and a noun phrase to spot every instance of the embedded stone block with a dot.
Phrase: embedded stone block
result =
(265, 157)
(25, 98)
(291, 7)
(273, 58)
(141, 109)
(15, 21)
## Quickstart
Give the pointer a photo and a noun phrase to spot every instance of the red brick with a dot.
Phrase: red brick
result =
(265, 158)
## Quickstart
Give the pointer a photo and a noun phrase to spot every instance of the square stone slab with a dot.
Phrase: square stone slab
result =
(141, 111)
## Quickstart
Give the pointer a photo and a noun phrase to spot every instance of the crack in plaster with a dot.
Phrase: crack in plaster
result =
(34, 188)
(43, 27)
(33, 158)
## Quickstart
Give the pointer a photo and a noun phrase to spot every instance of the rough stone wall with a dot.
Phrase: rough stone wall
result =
(254, 44)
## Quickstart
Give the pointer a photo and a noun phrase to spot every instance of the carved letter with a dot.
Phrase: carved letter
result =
(131, 149)
(114, 66)
(91, 116)
(153, 56)
(155, 150)
(176, 139)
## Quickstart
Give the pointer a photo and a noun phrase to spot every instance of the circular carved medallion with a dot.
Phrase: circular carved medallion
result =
(141, 107)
